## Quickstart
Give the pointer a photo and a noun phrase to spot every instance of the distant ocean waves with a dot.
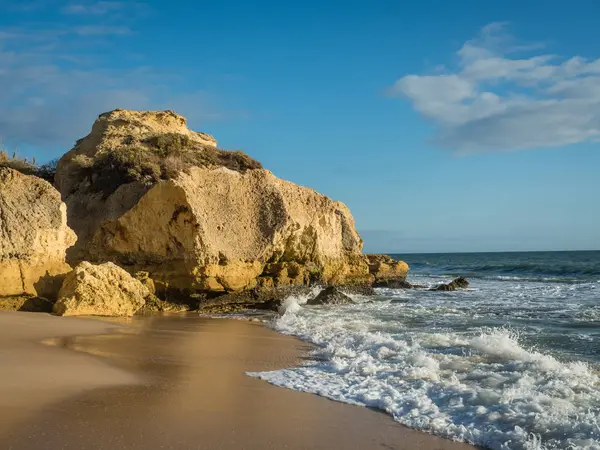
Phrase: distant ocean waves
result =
(542, 266)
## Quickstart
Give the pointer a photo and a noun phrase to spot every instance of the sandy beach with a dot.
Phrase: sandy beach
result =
(170, 382)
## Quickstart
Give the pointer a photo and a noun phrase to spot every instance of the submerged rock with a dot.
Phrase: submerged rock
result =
(330, 296)
(100, 290)
(198, 219)
(458, 283)
(396, 284)
(34, 236)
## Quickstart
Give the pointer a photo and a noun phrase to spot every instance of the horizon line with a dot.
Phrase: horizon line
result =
(494, 251)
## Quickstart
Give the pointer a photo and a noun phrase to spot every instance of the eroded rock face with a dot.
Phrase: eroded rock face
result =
(222, 230)
(384, 268)
(100, 290)
(33, 236)
(212, 221)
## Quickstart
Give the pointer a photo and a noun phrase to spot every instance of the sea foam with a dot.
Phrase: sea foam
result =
(478, 384)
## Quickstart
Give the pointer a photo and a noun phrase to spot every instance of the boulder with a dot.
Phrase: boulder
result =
(458, 283)
(331, 296)
(34, 236)
(219, 223)
(100, 290)
(384, 268)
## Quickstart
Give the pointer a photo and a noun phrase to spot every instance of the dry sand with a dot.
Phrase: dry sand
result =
(170, 382)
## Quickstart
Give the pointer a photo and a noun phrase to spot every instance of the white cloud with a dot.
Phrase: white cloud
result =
(493, 101)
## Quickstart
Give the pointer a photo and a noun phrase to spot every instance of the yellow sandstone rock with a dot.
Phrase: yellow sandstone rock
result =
(33, 236)
(217, 229)
(147, 193)
(384, 267)
(101, 290)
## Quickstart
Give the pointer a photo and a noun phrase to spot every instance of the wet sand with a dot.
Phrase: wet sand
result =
(170, 382)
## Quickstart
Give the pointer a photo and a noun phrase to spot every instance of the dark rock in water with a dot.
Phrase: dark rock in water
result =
(396, 284)
(260, 298)
(358, 289)
(270, 299)
(331, 296)
(458, 283)
(269, 305)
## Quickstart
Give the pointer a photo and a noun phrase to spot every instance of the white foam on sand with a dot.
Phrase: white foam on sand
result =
(482, 386)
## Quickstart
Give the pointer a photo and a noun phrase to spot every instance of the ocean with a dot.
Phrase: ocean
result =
(513, 362)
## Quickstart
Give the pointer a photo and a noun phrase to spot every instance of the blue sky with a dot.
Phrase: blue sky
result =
(470, 127)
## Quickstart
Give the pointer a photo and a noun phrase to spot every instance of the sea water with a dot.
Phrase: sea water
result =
(513, 362)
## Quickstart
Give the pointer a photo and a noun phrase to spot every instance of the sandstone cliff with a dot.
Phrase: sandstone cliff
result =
(221, 230)
(145, 192)
(33, 236)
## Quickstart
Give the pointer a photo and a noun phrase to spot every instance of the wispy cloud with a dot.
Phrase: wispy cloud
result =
(494, 101)
(101, 30)
(93, 8)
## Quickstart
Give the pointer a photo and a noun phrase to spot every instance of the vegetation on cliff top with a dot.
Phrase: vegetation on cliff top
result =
(157, 158)
(160, 157)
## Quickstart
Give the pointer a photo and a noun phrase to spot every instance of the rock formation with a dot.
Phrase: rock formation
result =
(458, 283)
(147, 193)
(33, 236)
(330, 296)
(386, 270)
(126, 153)
(396, 284)
(101, 290)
